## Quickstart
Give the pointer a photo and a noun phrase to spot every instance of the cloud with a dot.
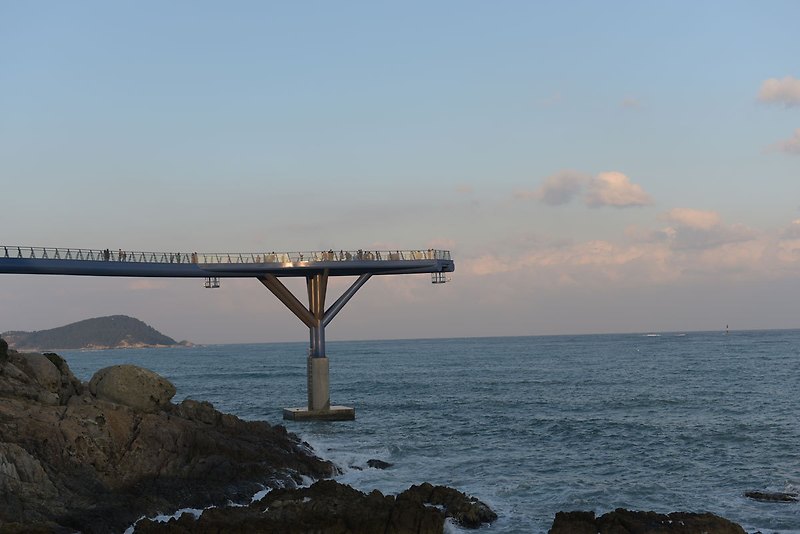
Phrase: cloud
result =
(146, 284)
(692, 229)
(710, 238)
(552, 100)
(557, 189)
(636, 234)
(785, 91)
(606, 189)
(789, 146)
(592, 263)
(697, 247)
(792, 231)
(616, 190)
(691, 218)
(701, 230)
(630, 103)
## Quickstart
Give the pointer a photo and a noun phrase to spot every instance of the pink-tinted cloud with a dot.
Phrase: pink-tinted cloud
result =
(606, 189)
(630, 103)
(616, 190)
(552, 100)
(701, 229)
(692, 218)
(785, 91)
(715, 237)
(789, 146)
(588, 264)
(792, 231)
(557, 189)
(698, 246)
(143, 284)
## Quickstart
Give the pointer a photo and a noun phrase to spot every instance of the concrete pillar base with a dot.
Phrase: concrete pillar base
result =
(319, 397)
(334, 413)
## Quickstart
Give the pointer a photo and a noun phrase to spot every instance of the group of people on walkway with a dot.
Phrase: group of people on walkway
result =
(272, 257)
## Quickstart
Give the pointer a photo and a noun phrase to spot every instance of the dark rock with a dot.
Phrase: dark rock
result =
(772, 496)
(378, 464)
(327, 507)
(467, 511)
(622, 521)
(574, 523)
(70, 460)
(3, 349)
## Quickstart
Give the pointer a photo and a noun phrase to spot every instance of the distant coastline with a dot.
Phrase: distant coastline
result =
(98, 333)
(131, 346)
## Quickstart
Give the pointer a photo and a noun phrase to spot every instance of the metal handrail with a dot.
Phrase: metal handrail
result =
(82, 254)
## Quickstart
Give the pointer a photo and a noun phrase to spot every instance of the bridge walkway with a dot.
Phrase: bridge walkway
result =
(268, 268)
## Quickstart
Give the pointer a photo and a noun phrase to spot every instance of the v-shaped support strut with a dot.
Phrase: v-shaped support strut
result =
(316, 318)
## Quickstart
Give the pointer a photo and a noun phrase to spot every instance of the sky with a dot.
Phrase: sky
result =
(592, 166)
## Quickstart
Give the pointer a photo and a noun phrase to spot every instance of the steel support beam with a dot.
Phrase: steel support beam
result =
(316, 318)
(289, 300)
(317, 287)
(344, 299)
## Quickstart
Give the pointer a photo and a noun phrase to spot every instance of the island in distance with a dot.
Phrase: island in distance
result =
(112, 332)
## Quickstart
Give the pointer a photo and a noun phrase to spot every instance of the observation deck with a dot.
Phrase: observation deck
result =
(93, 262)
(268, 268)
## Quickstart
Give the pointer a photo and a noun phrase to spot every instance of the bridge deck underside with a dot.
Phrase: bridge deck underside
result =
(220, 270)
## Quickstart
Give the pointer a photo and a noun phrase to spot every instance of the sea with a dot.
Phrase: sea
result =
(684, 421)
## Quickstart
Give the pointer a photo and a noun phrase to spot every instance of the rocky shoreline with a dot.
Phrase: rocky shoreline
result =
(96, 457)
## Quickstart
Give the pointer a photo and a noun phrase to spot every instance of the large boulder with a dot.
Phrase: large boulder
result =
(45, 379)
(622, 521)
(132, 386)
(42, 370)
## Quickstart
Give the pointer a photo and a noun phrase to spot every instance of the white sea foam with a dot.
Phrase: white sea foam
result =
(163, 518)
(260, 495)
(451, 528)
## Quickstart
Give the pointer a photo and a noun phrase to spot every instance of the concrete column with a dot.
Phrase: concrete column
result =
(319, 401)
(318, 384)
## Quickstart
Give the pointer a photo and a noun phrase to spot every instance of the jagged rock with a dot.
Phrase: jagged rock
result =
(378, 464)
(69, 384)
(772, 496)
(72, 461)
(623, 521)
(32, 376)
(574, 523)
(467, 511)
(327, 507)
(132, 386)
(3, 349)
(42, 370)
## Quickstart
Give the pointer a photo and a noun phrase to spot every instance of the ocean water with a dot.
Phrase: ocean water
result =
(534, 425)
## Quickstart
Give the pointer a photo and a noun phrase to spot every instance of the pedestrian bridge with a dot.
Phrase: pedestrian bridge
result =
(267, 267)
(92, 262)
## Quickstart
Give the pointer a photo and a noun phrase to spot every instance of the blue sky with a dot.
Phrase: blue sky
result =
(593, 166)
